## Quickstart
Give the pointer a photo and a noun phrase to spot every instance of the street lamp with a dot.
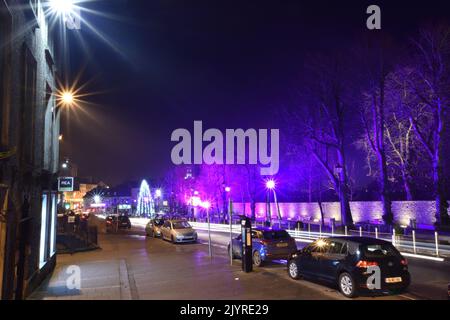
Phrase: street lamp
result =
(61, 7)
(270, 186)
(67, 98)
(230, 217)
(207, 205)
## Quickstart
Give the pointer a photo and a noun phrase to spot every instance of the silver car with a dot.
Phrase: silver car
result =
(153, 228)
(178, 231)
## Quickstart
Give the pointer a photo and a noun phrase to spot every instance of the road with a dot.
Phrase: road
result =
(131, 265)
(429, 278)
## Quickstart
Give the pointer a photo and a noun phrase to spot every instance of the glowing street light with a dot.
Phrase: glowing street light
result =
(270, 184)
(227, 189)
(62, 7)
(97, 199)
(67, 98)
(158, 193)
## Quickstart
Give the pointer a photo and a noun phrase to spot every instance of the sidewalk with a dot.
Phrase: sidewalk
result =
(100, 280)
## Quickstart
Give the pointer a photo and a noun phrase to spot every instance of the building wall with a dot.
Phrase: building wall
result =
(27, 110)
(422, 211)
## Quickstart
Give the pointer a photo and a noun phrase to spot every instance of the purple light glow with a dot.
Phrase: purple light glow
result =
(270, 184)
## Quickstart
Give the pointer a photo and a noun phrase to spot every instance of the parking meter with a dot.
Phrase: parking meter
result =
(246, 231)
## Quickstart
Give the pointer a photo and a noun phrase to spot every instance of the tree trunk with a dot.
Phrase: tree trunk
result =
(253, 208)
(388, 216)
(407, 185)
(442, 218)
(344, 197)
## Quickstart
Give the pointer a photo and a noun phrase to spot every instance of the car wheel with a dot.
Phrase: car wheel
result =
(293, 270)
(257, 261)
(347, 285)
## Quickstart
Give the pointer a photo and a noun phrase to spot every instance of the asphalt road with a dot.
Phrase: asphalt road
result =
(429, 278)
(158, 269)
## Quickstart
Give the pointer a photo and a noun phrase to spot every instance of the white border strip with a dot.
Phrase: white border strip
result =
(419, 256)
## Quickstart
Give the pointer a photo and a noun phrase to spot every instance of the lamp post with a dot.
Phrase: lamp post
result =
(230, 218)
(270, 186)
(158, 195)
(207, 205)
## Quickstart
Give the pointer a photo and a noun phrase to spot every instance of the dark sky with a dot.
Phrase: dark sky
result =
(228, 63)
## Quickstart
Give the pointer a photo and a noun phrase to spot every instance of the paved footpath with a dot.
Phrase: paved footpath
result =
(132, 266)
(100, 280)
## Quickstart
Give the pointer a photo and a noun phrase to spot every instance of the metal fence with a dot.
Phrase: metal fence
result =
(414, 243)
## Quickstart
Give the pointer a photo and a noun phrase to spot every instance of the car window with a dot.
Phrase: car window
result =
(335, 247)
(276, 235)
(379, 250)
(254, 235)
(319, 246)
(158, 222)
(181, 225)
(166, 224)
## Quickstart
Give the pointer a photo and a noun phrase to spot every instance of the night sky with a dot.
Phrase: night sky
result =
(228, 63)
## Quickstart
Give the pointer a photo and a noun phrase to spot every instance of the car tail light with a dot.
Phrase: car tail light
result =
(366, 264)
(404, 262)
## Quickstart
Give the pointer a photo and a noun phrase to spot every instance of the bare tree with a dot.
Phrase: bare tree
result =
(323, 126)
(428, 82)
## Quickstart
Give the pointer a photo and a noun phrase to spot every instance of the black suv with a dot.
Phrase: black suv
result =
(355, 264)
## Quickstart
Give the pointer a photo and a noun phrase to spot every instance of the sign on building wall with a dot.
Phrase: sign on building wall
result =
(65, 184)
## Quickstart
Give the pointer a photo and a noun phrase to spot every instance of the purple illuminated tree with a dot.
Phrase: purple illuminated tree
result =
(427, 82)
(373, 114)
(322, 121)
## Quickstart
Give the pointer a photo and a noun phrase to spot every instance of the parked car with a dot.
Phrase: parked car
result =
(345, 261)
(153, 227)
(178, 231)
(114, 222)
(268, 244)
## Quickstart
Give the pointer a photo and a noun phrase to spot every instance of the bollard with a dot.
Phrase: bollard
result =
(437, 243)
(393, 237)
(346, 231)
(320, 230)
(376, 232)
(414, 241)
(332, 230)
(360, 231)
(309, 229)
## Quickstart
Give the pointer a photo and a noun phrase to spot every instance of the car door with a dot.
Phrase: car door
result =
(331, 261)
(309, 262)
(165, 230)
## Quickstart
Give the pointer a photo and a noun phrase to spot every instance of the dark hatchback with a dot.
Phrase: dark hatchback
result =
(268, 244)
(119, 222)
(352, 264)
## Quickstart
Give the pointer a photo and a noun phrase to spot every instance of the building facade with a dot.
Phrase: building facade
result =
(29, 129)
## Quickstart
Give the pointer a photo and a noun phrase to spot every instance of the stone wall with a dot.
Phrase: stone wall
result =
(422, 211)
